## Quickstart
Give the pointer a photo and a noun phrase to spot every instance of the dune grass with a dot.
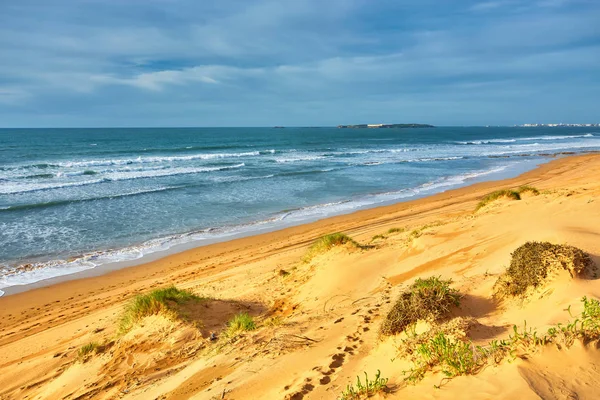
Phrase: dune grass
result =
(240, 323)
(528, 189)
(426, 299)
(88, 350)
(503, 193)
(366, 389)
(532, 262)
(508, 194)
(159, 301)
(327, 242)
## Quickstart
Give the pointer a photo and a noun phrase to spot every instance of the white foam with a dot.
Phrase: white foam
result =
(20, 187)
(298, 158)
(37, 272)
(544, 137)
(540, 147)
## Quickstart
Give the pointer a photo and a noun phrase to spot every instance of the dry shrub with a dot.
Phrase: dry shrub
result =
(533, 262)
(426, 299)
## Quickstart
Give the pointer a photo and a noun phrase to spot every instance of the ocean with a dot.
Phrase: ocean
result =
(75, 199)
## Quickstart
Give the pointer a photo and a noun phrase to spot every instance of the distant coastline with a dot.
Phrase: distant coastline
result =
(561, 125)
(384, 126)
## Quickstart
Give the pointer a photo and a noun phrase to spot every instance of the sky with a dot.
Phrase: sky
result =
(127, 63)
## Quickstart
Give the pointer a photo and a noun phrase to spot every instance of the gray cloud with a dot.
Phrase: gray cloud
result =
(296, 62)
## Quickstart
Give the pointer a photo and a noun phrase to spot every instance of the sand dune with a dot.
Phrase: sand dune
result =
(318, 321)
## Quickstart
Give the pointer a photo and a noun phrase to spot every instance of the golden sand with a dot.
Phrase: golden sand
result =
(318, 321)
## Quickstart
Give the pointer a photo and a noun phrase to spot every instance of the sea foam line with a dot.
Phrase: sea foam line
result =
(30, 273)
(18, 187)
(513, 140)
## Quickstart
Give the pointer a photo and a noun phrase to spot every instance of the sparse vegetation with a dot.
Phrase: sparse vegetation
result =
(87, 351)
(327, 242)
(241, 322)
(378, 237)
(459, 356)
(504, 193)
(159, 301)
(416, 233)
(390, 231)
(395, 230)
(426, 299)
(366, 389)
(531, 264)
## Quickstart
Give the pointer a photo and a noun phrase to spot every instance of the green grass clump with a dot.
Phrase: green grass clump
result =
(327, 242)
(159, 301)
(509, 194)
(87, 351)
(531, 264)
(366, 389)
(426, 299)
(528, 189)
(378, 237)
(241, 322)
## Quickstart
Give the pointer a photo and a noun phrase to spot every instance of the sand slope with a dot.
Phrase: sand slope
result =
(318, 324)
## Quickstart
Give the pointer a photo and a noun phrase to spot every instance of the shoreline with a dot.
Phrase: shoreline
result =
(307, 311)
(351, 222)
(261, 227)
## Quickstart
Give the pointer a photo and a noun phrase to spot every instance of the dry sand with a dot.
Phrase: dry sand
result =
(318, 324)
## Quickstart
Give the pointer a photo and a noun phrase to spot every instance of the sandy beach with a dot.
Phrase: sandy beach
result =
(318, 320)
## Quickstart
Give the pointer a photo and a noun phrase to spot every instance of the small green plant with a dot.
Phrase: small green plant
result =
(462, 357)
(453, 357)
(430, 299)
(532, 262)
(366, 389)
(528, 189)
(504, 193)
(327, 242)
(241, 322)
(159, 301)
(87, 351)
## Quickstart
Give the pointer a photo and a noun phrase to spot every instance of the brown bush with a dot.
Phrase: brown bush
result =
(531, 264)
(430, 298)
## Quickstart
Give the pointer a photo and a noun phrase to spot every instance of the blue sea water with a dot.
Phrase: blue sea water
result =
(73, 199)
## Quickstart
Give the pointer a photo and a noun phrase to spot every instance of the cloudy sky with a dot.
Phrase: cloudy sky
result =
(104, 63)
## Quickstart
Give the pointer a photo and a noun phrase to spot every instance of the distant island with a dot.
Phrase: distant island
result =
(383, 126)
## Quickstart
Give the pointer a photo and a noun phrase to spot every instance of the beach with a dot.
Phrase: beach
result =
(327, 309)
(94, 200)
